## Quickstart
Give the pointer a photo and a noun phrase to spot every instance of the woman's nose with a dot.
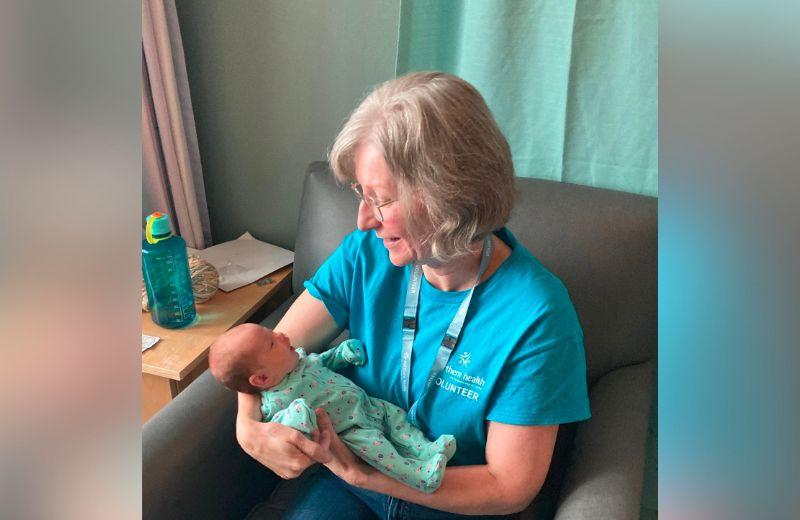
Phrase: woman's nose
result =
(366, 217)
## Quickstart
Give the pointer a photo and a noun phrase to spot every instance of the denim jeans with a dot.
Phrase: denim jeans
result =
(325, 496)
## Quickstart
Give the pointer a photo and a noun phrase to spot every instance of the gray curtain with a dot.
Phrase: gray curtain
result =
(172, 177)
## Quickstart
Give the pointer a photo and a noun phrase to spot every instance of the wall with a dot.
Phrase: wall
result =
(271, 83)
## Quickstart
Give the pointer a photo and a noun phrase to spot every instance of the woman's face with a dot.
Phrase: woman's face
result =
(376, 181)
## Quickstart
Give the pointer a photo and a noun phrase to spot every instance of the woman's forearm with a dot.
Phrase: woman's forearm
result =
(249, 410)
(249, 407)
(469, 490)
(308, 324)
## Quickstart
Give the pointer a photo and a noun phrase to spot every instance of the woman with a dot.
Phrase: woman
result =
(499, 364)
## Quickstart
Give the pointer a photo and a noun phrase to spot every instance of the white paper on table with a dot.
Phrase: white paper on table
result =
(244, 260)
(148, 341)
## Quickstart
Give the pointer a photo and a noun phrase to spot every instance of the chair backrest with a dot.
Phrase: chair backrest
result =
(328, 212)
(601, 243)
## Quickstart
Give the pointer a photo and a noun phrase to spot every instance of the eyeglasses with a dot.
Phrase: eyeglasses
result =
(369, 201)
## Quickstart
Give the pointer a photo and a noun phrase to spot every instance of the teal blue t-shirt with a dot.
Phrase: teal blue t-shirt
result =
(519, 359)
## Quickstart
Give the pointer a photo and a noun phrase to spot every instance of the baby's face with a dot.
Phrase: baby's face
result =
(276, 357)
(279, 342)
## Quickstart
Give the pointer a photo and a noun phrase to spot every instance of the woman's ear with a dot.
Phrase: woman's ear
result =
(262, 381)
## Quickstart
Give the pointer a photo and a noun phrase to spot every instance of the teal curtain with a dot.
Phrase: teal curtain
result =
(572, 83)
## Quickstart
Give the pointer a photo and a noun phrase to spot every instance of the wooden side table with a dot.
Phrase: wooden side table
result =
(182, 354)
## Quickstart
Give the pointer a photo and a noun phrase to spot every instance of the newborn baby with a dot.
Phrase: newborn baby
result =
(252, 359)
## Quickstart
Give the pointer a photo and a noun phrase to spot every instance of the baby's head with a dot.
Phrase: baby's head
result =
(250, 358)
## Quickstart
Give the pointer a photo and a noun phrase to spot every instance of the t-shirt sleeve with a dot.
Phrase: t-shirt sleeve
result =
(544, 379)
(332, 284)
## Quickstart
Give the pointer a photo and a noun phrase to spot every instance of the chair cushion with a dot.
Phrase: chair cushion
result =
(328, 212)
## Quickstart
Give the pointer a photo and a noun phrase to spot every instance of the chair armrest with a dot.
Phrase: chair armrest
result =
(606, 478)
(192, 465)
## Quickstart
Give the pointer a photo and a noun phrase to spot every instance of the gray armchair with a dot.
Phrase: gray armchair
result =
(601, 243)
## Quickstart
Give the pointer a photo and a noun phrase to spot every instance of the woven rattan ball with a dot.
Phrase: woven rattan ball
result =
(205, 279)
(145, 303)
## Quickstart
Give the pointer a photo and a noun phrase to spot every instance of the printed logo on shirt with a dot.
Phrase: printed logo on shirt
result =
(463, 359)
(461, 383)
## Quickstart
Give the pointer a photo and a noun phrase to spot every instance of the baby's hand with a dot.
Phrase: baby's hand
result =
(355, 353)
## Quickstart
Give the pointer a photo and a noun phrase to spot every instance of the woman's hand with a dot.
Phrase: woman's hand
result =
(337, 457)
(284, 450)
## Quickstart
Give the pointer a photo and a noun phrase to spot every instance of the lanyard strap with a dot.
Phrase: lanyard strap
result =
(450, 337)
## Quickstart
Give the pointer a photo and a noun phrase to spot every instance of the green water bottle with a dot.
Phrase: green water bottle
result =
(165, 267)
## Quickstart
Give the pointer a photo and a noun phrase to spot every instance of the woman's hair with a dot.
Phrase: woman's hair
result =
(444, 150)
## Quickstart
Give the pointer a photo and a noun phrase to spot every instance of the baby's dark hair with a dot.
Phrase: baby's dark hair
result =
(231, 365)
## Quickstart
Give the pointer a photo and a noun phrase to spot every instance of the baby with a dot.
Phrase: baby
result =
(252, 359)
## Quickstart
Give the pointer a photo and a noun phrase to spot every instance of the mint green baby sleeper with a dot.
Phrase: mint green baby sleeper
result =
(374, 429)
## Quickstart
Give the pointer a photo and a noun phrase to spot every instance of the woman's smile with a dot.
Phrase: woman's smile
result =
(390, 242)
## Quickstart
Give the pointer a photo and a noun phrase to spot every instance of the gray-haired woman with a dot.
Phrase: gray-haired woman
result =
(463, 327)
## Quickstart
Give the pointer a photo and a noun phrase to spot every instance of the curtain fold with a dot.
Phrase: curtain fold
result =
(172, 176)
(573, 84)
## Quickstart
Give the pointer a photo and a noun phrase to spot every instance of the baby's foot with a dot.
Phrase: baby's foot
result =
(434, 471)
(446, 445)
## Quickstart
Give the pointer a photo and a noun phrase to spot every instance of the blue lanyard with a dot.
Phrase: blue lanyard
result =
(450, 337)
